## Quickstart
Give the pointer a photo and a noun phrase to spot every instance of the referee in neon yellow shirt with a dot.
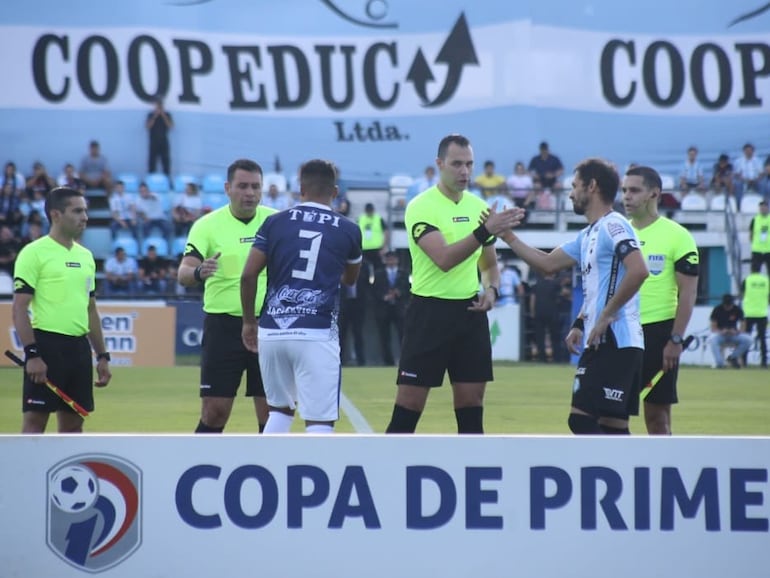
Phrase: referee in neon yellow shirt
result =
(446, 328)
(217, 248)
(54, 276)
(667, 296)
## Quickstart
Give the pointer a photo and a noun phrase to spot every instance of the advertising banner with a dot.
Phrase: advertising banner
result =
(374, 85)
(383, 506)
(137, 334)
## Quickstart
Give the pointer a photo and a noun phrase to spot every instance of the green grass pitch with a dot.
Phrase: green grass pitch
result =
(525, 398)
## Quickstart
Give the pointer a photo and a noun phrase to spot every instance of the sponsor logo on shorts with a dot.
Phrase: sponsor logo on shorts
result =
(613, 394)
(205, 386)
(407, 374)
(31, 401)
(461, 219)
(576, 385)
(580, 371)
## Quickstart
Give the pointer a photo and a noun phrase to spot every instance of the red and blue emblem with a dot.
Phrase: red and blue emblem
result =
(94, 511)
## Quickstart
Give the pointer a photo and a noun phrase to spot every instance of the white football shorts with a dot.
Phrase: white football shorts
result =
(302, 373)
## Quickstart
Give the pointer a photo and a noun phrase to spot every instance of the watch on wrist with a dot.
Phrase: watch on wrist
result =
(676, 339)
(105, 356)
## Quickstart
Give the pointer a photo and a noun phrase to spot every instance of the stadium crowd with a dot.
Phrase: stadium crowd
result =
(149, 217)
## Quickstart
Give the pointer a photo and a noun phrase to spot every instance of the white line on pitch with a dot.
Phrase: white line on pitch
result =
(360, 425)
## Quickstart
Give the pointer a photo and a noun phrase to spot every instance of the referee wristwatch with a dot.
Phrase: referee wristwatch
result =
(105, 356)
(676, 339)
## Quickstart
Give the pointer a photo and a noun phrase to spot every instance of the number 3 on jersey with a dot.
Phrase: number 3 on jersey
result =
(310, 255)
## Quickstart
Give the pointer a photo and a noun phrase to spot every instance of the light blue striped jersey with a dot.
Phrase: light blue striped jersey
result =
(599, 250)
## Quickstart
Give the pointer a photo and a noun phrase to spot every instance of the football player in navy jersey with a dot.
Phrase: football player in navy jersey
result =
(308, 250)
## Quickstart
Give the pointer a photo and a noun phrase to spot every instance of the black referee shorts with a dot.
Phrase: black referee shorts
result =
(441, 335)
(224, 359)
(656, 336)
(70, 368)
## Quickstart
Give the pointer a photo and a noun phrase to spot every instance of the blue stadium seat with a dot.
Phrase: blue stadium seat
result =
(129, 245)
(97, 240)
(213, 183)
(177, 247)
(130, 182)
(214, 200)
(160, 244)
(180, 182)
(158, 183)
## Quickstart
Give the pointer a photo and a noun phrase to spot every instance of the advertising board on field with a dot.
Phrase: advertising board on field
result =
(139, 334)
(383, 506)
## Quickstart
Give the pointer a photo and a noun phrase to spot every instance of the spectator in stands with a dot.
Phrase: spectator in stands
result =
(342, 206)
(275, 199)
(122, 211)
(511, 288)
(748, 170)
(543, 303)
(764, 181)
(428, 180)
(546, 169)
(9, 248)
(36, 218)
(70, 178)
(153, 272)
(150, 213)
(691, 176)
(759, 237)
(725, 331)
(120, 271)
(353, 301)
(95, 170)
(34, 210)
(723, 176)
(390, 293)
(39, 181)
(375, 236)
(34, 232)
(341, 203)
(489, 182)
(755, 297)
(158, 124)
(11, 213)
(188, 206)
(521, 187)
(12, 177)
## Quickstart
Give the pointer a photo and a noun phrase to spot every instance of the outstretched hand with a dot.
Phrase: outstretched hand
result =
(499, 223)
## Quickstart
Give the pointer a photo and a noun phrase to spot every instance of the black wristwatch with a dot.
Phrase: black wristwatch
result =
(105, 356)
(676, 339)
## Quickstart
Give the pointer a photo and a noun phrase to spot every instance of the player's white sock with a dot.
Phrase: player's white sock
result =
(278, 423)
(318, 428)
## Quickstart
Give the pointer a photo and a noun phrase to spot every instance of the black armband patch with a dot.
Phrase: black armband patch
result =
(689, 264)
(21, 286)
(190, 249)
(419, 230)
(625, 248)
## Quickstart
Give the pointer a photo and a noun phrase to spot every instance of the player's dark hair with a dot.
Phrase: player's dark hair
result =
(244, 165)
(58, 199)
(650, 176)
(318, 178)
(457, 139)
(603, 173)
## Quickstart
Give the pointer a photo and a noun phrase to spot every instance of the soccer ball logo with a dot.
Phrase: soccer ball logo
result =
(94, 510)
(74, 489)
